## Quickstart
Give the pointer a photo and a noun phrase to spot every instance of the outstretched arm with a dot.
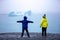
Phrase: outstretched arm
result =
(19, 21)
(30, 21)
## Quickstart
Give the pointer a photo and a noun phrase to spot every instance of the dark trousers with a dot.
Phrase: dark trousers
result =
(26, 32)
(44, 31)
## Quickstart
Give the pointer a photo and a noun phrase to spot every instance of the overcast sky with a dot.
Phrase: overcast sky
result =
(7, 6)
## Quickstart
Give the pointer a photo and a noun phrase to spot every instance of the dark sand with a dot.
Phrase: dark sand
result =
(33, 36)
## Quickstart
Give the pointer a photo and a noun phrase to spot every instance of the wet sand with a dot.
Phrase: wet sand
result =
(33, 36)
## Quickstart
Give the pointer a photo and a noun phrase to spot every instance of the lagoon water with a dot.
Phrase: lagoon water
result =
(9, 24)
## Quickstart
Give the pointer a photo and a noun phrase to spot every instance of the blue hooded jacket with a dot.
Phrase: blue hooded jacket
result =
(25, 22)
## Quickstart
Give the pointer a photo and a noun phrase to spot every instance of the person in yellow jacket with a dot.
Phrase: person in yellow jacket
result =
(44, 24)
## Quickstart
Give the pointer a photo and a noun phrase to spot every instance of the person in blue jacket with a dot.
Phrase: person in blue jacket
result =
(25, 26)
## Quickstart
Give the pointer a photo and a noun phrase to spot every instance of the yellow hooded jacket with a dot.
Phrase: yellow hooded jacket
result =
(44, 23)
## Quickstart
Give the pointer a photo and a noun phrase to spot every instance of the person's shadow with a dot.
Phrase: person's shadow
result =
(43, 37)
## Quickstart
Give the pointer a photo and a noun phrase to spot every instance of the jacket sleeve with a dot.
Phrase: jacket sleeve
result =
(30, 21)
(41, 22)
(47, 23)
(19, 21)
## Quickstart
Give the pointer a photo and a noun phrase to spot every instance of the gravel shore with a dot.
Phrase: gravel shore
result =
(33, 36)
